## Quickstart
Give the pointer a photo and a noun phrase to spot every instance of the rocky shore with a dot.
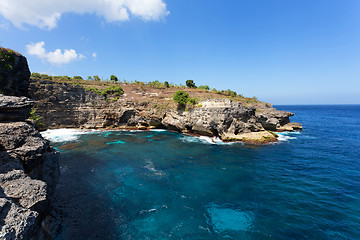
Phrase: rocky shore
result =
(71, 106)
(29, 166)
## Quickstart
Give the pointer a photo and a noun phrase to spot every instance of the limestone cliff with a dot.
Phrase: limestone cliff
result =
(68, 105)
(29, 166)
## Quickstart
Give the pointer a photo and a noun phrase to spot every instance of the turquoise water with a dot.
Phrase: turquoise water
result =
(165, 185)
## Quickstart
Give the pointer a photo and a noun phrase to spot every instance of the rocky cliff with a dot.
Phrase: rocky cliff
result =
(14, 73)
(29, 166)
(69, 105)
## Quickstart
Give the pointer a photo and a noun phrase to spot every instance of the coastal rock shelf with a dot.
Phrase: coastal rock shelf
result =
(63, 105)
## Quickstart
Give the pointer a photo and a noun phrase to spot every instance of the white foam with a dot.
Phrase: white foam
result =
(63, 134)
(205, 140)
(286, 136)
(158, 130)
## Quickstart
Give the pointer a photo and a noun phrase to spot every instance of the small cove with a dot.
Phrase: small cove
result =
(165, 185)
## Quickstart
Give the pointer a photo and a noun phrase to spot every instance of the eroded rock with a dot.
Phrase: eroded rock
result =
(14, 108)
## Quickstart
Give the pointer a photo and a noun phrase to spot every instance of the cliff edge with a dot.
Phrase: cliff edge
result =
(29, 166)
(73, 103)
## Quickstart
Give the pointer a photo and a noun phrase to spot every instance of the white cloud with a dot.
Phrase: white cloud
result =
(46, 13)
(55, 57)
(94, 55)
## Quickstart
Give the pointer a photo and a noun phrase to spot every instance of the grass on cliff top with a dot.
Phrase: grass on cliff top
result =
(7, 59)
(154, 91)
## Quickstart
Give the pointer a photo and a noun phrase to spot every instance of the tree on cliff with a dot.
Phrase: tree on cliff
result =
(97, 78)
(190, 84)
(113, 78)
(181, 97)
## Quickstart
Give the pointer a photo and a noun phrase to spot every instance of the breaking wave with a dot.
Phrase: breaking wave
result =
(63, 134)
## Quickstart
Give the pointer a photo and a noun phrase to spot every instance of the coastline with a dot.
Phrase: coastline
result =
(50, 134)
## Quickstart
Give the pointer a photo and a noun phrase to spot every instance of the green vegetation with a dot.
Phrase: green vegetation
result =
(113, 78)
(112, 90)
(229, 93)
(157, 84)
(94, 90)
(35, 117)
(7, 59)
(190, 84)
(205, 87)
(77, 78)
(192, 101)
(181, 97)
(38, 76)
(96, 78)
(166, 84)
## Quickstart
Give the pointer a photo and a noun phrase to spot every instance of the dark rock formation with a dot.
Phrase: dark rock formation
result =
(14, 108)
(14, 73)
(28, 175)
(29, 166)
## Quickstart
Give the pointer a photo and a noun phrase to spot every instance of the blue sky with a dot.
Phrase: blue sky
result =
(283, 52)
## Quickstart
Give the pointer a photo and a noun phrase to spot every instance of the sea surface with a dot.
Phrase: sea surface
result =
(166, 185)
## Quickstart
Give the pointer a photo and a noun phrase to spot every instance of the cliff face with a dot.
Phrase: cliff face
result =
(14, 73)
(29, 166)
(65, 105)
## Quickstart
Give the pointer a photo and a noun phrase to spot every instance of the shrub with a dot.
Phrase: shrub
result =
(113, 78)
(229, 93)
(97, 78)
(94, 90)
(166, 83)
(192, 101)
(35, 75)
(181, 97)
(77, 78)
(205, 87)
(113, 90)
(190, 84)
(45, 76)
(35, 117)
(157, 84)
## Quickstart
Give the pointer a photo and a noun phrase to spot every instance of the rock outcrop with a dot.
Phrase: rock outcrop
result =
(28, 175)
(275, 120)
(29, 166)
(15, 108)
(14, 73)
(69, 106)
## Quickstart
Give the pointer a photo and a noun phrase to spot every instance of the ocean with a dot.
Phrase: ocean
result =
(166, 185)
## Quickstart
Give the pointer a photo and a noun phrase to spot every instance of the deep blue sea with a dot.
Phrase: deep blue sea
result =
(165, 185)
